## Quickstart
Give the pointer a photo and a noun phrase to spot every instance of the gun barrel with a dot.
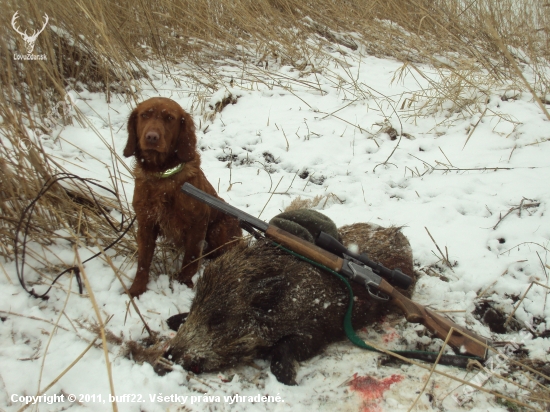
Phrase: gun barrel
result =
(224, 207)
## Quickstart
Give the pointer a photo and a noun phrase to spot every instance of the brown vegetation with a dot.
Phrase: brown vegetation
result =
(102, 44)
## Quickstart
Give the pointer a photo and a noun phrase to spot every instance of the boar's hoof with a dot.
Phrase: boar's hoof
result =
(162, 368)
(283, 361)
(285, 371)
(174, 322)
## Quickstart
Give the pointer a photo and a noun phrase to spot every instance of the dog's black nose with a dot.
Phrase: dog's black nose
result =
(152, 137)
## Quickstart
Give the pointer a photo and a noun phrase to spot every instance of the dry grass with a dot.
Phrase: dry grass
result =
(66, 212)
(318, 202)
(103, 44)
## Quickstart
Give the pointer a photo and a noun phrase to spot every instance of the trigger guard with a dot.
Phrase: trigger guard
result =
(376, 295)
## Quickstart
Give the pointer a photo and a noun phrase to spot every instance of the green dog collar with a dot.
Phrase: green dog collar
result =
(171, 172)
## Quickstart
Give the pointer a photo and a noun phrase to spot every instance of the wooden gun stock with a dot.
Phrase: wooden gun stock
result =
(463, 340)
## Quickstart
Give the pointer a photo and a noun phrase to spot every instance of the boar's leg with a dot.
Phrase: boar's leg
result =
(283, 360)
(287, 352)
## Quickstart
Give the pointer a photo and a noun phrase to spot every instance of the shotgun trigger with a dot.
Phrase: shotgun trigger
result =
(377, 295)
(364, 274)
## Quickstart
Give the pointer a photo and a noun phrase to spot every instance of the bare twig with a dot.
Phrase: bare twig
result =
(126, 290)
(440, 252)
(272, 193)
(433, 368)
(521, 300)
(33, 318)
(474, 128)
(521, 205)
(101, 326)
(67, 369)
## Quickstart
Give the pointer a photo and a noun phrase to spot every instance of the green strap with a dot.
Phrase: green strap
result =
(455, 360)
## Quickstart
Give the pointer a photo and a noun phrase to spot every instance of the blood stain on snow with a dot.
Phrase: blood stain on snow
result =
(390, 336)
(372, 389)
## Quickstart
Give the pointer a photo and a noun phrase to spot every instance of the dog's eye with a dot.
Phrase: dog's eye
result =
(169, 117)
(145, 115)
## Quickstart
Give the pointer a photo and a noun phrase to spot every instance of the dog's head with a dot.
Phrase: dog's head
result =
(160, 134)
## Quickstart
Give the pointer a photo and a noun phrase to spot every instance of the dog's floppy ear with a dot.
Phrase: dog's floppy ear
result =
(132, 142)
(187, 141)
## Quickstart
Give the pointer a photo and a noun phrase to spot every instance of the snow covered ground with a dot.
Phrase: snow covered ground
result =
(343, 131)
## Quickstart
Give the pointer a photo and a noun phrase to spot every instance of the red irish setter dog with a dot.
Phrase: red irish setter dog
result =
(161, 135)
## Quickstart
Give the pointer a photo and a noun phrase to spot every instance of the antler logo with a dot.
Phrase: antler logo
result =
(29, 40)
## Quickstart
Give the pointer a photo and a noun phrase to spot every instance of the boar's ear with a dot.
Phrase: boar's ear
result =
(132, 142)
(267, 293)
(174, 322)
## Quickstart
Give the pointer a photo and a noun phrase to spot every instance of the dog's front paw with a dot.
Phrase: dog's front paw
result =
(137, 289)
(186, 274)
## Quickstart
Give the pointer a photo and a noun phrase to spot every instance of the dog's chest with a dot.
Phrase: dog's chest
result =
(166, 202)
(159, 192)
(163, 202)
